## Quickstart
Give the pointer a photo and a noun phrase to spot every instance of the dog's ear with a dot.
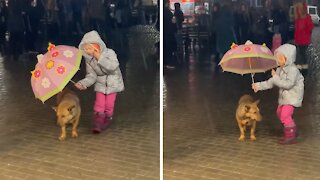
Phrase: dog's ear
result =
(70, 108)
(257, 102)
(54, 108)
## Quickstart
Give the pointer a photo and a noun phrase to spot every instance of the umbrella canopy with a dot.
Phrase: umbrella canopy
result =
(248, 58)
(54, 70)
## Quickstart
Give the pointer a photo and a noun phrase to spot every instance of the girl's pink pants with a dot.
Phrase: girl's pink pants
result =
(105, 103)
(285, 113)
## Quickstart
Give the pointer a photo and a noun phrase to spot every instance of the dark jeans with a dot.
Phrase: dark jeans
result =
(214, 47)
(168, 58)
(302, 57)
(2, 38)
(16, 43)
(32, 33)
(169, 47)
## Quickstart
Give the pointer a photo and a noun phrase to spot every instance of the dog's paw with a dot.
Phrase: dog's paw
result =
(253, 138)
(62, 138)
(74, 134)
(241, 138)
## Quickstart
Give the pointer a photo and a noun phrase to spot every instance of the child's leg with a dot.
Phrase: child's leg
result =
(290, 129)
(99, 114)
(286, 116)
(279, 110)
(108, 109)
(99, 104)
(109, 105)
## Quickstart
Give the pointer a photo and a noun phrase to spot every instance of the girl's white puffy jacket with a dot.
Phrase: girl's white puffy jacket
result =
(289, 79)
(105, 73)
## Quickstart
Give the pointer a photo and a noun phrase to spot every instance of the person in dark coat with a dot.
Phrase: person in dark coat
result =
(169, 42)
(260, 31)
(3, 26)
(224, 30)
(179, 17)
(244, 22)
(213, 33)
(77, 6)
(96, 14)
(280, 22)
(158, 16)
(16, 27)
(34, 12)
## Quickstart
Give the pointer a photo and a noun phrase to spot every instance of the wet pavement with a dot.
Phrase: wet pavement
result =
(129, 149)
(201, 133)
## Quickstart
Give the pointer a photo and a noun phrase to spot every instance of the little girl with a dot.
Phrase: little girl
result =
(291, 88)
(103, 71)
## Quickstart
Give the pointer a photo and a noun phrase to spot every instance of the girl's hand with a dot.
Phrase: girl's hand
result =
(273, 72)
(96, 55)
(254, 87)
(80, 86)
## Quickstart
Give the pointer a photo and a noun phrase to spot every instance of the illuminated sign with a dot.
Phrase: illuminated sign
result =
(186, 1)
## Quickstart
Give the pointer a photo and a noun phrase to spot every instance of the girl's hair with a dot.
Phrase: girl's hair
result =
(96, 46)
(300, 10)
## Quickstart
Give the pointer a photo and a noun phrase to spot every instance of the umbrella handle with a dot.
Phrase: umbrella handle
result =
(252, 78)
(72, 81)
(250, 69)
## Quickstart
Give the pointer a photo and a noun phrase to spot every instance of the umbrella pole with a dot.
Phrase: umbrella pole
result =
(252, 78)
(250, 69)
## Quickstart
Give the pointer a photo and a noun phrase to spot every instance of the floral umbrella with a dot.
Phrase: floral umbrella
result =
(248, 58)
(54, 70)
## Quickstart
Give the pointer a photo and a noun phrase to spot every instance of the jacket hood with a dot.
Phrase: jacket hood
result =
(289, 51)
(92, 37)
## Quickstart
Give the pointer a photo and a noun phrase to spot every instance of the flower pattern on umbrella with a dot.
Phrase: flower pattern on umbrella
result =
(54, 70)
(61, 69)
(36, 74)
(50, 64)
(68, 53)
(55, 54)
(247, 49)
(45, 83)
(51, 47)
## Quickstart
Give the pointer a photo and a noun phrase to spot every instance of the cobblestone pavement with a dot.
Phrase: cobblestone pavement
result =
(201, 133)
(29, 145)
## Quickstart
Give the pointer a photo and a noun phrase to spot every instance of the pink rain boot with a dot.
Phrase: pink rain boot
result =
(98, 122)
(290, 135)
(107, 122)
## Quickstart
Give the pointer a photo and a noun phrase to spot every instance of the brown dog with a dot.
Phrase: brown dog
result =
(68, 112)
(247, 114)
